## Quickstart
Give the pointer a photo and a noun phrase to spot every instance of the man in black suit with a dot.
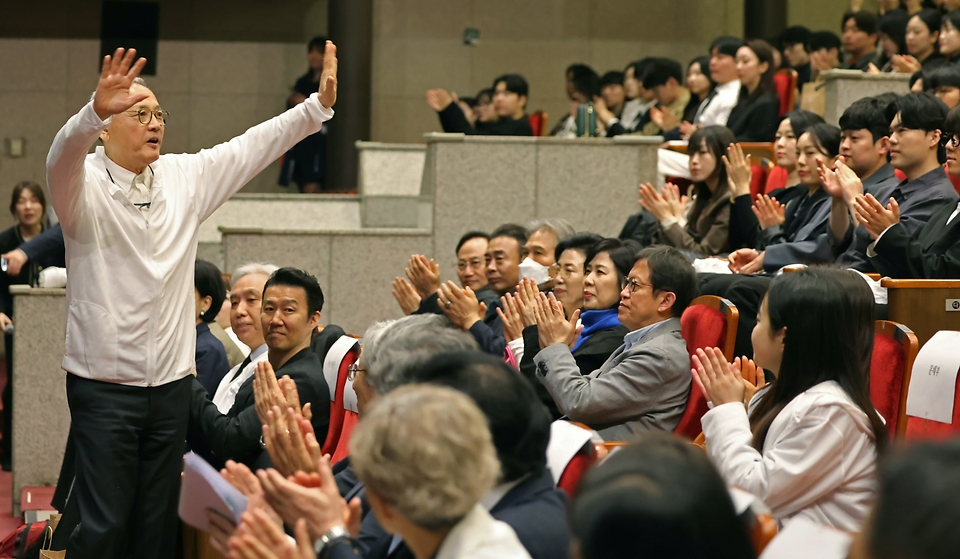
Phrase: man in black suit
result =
(289, 315)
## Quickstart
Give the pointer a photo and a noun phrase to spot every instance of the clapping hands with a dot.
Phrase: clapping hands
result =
(769, 211)
(722, 382)
(553, 327)
(738, 170)
(873, 216)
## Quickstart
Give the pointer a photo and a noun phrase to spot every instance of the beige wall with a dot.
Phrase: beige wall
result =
(418, 45)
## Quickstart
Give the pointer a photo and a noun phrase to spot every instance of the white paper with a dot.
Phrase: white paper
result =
(204, 488)
(712, 266)
(566, 439)
(804, 539)
(933, 382)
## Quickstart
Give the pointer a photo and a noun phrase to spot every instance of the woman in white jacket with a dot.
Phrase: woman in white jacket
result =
(807, 443)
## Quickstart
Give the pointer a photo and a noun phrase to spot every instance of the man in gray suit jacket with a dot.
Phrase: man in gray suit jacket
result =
(644, 384)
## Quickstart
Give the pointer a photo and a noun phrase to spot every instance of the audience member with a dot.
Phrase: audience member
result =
(612, 92)
(700, 84)
(28, 206)
(478, 110)
(755, 117)
(306, 163)
(635, 111)
(807, 444)
(944, 82)
(950, 36)
(211, 358)
(221, 330)
(914, 517)
(509, 102)
(923, 38)
(664, 78)
(793, 42)
(583, 86)
(661, 491)
(892, 39)
(644, 384)
(289, 314)
(859, 39)
(824, 49)
(715, 109)
(246, 297)
(543, 235)
(46, 249)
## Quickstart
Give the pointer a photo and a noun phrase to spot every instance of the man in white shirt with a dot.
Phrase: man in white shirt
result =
(130, 219)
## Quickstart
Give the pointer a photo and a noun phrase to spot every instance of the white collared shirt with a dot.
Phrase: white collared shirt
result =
(130, 308)
(632, 338)
(717, 111)
(480, 536)
(226, 393)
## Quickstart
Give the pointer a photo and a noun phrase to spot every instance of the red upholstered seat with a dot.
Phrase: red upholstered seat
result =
(341, 355)
(576, 468)
(886, 379)
(538, 121)
(776, 178)
(758, 180)
(785, 83)
(350, 419)
(709, 321)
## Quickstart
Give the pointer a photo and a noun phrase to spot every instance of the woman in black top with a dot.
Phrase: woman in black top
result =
(28, 205)
(922, 35)
(757, 113)
(211, 357)
(700, 85)
(306, 163)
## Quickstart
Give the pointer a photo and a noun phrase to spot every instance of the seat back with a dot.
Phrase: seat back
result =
(351, 414)
(538, 121)
(709, 321)
(776, 178)
(567, 455)
(895, 348)
(343, 353)
(582, 461)
(785, 83)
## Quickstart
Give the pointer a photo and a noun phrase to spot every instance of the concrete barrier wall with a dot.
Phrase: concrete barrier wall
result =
(843, 87)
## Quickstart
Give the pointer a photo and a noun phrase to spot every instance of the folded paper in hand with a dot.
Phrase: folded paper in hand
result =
(204, 488)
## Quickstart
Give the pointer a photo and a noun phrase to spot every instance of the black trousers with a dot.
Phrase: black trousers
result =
(129, 444)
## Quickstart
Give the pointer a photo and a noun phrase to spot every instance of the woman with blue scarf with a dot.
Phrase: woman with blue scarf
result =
(589, 279)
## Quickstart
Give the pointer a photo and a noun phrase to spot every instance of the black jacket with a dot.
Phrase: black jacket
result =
(236, 435)
(453, 120)
(47, 248)
(756, 121)
(932, 252)
(430, 305)
(9, 240)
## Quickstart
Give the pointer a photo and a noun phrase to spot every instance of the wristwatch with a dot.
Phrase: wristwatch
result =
(328, 537)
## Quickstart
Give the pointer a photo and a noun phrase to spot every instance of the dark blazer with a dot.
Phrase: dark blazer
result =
(324, 340)
(47, 248)
(756, 121)
(429, 305)
(535, 509)
(453, 120)
(236, 435)
(211, 359)
(489, 331)
(9, 240)
(807, 218)
(932, 252)
(590, 356)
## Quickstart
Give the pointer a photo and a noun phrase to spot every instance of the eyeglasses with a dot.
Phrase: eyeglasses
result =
(352, 371)
(145, 115)
(952, 140)
(633, 285)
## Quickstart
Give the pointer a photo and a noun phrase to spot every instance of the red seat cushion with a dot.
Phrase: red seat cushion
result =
(776, 178)
(343, 445)
(336, 402)
(536, 123)
(574, 471)
(782, 83)
(758, 180)
(701, 327)
(886, 379)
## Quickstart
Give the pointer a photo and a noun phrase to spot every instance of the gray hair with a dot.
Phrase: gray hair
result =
(137, 80)
(427, 452)
(252, 268)
(559, 227)
(391, 351)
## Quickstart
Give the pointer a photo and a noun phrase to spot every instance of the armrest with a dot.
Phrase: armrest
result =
(679, 146)
(919, 284)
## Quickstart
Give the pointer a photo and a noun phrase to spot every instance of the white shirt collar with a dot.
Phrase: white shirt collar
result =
(492, 497)
(226, 393)
(135, 187)
(632, 338)
(729, 87)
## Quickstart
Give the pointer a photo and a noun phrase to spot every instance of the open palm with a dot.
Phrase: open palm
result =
(328, 79)
(113, 94)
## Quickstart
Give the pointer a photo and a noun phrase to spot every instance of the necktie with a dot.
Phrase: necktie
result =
(241, 368)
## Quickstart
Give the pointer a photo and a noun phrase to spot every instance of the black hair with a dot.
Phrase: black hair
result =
(886, 98)
(796, 35)
(801, 121)
(319, 42)
(863, 313)
(514, 83)
(826, 138)
(579, 241)
(517, 232)
(868, 114)
(921, 111)
(34, 188)
(947, 75)
(821, 344)
(613, 77)
(294, 277)
(621, 252)
(470, 235)
(704, 63)
(953, 18)
(660, 71)
(893, 24)
(920, 76)
(916, 512)
(823, 40)
(518, 420)
(661, 491)
(209, 283)
(586, 81)
(488, 92)
(864, 20)
(726, 45)
(951, 126)
(639, 67)
(716, 139)
(764, 53)
(930, 18)
(671, 271)
(578, 68)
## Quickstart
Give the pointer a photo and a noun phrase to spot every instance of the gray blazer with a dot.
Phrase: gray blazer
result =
(634, 391)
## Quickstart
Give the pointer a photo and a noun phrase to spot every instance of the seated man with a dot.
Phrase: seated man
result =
(860, 39)
(289, 314)
(665, 79)
(824, 49)
(509, 101)
(46, 249)
(645, 384)
(583, 84)
(793, 43)
(612, 91)
(543, 235)
(635, 112)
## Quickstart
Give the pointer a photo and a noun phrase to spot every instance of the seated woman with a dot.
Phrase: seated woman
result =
(700, 228)
(744, 226)
(755, 117)
(807, 443)
(892, 40)
(606, 264)
(922, 35)
(661, 491)
(211, 358)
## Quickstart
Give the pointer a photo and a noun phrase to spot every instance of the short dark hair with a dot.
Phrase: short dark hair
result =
(930, 18)
(621, 251)
(868, 114)
(209, 283)
(639, 67)
(660, 72)
(916, 513)
(671, 271)
(469, 236)
(947, 75)
(864, 20)
(727, 45)
(951, 126)
(796, 35)
(893, 24)
(578, 241)
(514, 83)
(518, 420)
(920, 76)
(586, 81)
(613, 77)
(35, 189)
(319, 42)
(823, 40)
(295, 277)
(826, 138)
(921, 111)
(801, 120)
(661, 491)
(953, 17)
(517, 232)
